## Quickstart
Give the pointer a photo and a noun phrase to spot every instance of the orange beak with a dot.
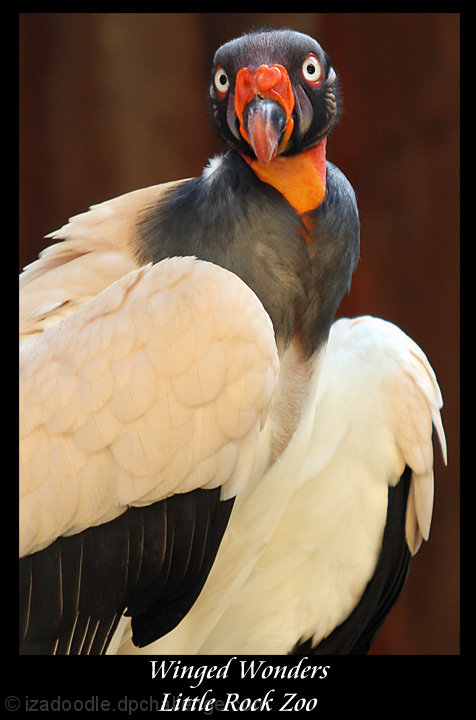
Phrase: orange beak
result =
(264, 102)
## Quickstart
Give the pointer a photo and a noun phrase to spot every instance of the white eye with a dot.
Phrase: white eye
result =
(221, 81)
(311, 69)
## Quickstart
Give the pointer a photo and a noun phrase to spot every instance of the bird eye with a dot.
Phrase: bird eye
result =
(221, 81)
(311, 70)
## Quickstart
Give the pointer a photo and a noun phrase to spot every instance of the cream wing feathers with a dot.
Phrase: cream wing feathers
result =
(157, 385)
(96, 247)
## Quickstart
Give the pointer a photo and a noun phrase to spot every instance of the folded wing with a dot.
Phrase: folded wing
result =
(158, 386)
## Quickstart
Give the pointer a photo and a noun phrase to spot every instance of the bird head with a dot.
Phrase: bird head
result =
(273, 93)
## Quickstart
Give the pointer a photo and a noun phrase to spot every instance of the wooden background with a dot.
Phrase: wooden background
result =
(110, 102)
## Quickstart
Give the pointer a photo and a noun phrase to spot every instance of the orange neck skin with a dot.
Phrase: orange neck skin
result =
(301, 179)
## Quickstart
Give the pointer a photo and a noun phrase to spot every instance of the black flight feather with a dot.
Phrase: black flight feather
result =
(150, 563)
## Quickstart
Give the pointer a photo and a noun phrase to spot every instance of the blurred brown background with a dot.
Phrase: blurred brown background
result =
(110, 102)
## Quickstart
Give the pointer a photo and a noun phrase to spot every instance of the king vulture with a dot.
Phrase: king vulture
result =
(208, 464)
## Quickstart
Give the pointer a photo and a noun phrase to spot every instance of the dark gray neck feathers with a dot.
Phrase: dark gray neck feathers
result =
(229, 217)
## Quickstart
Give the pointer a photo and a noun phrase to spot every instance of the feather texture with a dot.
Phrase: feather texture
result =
(150, 562)
(127, 401)
(96, 248)
(371, 416)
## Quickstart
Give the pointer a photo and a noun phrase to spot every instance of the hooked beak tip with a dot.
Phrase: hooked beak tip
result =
(263, 128)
